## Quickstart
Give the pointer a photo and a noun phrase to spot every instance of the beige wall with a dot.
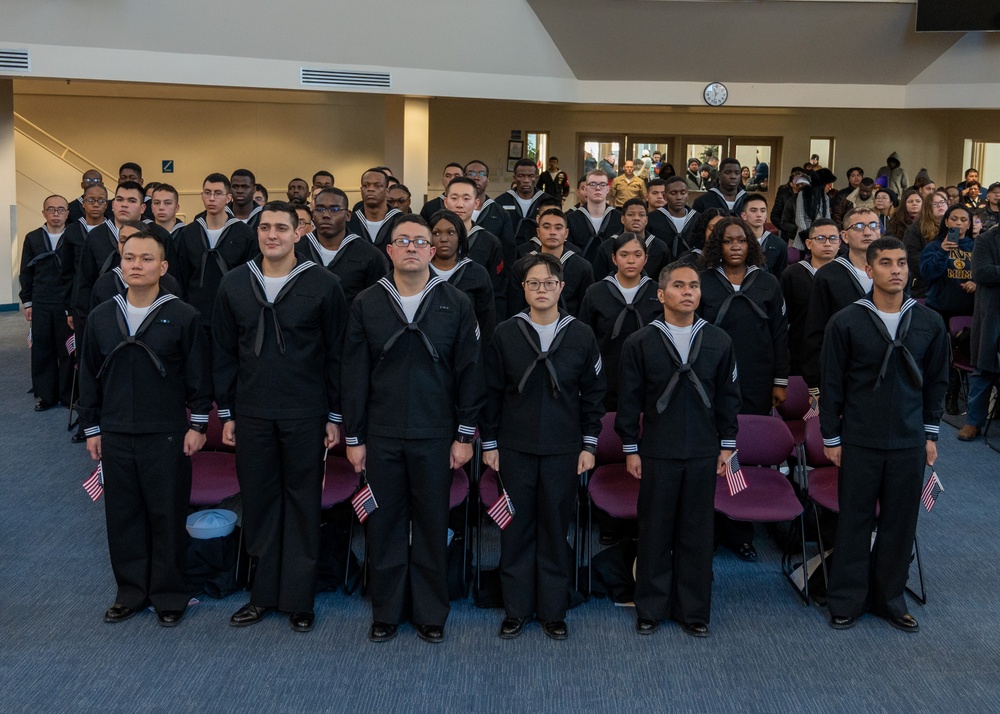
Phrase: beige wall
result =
(279, 135)
(276, 135)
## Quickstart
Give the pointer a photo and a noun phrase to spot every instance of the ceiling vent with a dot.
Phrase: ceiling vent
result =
(15, 61)
(342, 78)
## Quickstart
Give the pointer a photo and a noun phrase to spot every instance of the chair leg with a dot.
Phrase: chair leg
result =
(347, 559)
(822, 547)
(922, 597)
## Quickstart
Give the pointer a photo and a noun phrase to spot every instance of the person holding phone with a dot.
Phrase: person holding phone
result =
(946, 266)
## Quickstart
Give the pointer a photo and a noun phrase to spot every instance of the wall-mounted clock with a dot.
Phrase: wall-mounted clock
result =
(716, 94)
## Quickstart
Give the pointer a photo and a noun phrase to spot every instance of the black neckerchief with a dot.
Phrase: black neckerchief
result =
(905, 316)
(128, 339)
(396, 302)
(628, 307)
(542, 356)
(683, 368)
(257, 285)
(741, 293)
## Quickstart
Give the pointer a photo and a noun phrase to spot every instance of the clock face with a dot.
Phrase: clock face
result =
(716, 94)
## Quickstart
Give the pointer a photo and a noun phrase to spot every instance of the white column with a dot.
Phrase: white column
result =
(8, 199)
(416, 147)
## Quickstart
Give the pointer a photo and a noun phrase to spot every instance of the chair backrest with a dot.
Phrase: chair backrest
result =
(763, 440)
(959, 323)
(794, 255)
(609, 446)
(814, 445)
(796, 402)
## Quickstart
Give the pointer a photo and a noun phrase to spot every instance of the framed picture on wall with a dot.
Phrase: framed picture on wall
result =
(515, 149)
(511, 163)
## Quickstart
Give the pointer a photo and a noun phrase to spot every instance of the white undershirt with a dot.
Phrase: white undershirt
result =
(213, 236)
(524, 203)
(325, 254)
(446, 274)
(736, 288)
(546, 333)
(53, 238)
(87, 227)
(679, 223)
(373, 227)
(681, 337)
(863, 278)
(134, 316)
(891, 321)
(410, 305)
(475, 214)
(627, 293)
(273, 286)
(596, 221)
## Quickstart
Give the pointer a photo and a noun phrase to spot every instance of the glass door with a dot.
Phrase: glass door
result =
(762, 155)
(601, 151)
(653, 156)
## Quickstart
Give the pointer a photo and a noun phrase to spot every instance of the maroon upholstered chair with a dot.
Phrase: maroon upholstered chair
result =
(764, 442)
(823, 491)
(792, 410)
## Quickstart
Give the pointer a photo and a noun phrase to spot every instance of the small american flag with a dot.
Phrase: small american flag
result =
(502, 511)
(364, 503)
(29, 338)
(932, 489)
(71, 344)
(94, 485)
(734, 475)
(813, 411)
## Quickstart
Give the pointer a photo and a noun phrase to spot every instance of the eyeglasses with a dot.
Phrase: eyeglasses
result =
(475, 174)
(213, 194)
(546, 285)
(396, 201)
(92, 181)
(827, 239)
(405, 242)
(874, 225)
(332, 210)
(95, 201)
(57, 211)
(939, 203)
(595, 184)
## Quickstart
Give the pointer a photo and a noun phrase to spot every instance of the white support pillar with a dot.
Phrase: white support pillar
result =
(416, 147)
(8, 199)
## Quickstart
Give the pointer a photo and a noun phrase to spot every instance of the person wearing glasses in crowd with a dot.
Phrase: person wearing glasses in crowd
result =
(835, 286)
(357, 262)
(410, 336)
(489, 214)
(398, 197)
(77, 208)
(919, 234)
(545, 384)
(822, 244)
(278, 327)
(592, 224)
(578, 275)
(209, 247)
(43, 292)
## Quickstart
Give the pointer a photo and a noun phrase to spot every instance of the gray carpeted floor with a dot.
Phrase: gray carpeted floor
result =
(767, 651)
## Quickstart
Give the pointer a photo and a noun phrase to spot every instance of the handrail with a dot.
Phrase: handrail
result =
(82, 163)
